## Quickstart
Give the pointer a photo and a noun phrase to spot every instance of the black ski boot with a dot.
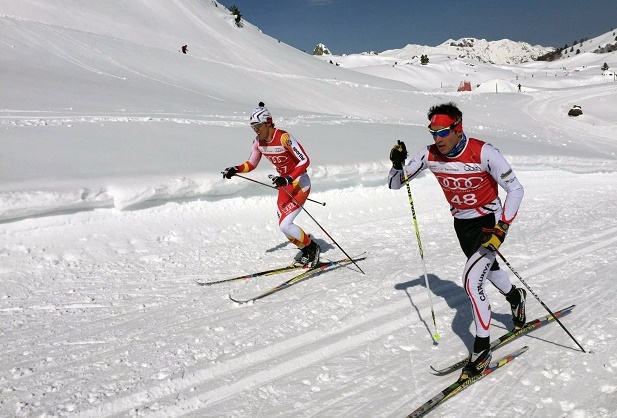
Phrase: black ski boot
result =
(517, 298)
(310, 255)
(478, 360)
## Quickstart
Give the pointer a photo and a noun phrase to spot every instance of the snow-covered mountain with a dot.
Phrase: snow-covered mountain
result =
(502, 52)
(601, 44)
(454, 62)
(494, 52)
(321, 49)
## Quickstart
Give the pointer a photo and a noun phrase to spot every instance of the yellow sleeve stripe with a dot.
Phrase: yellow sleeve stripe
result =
(245, 168)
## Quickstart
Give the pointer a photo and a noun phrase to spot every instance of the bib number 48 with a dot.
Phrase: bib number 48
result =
(465, 200)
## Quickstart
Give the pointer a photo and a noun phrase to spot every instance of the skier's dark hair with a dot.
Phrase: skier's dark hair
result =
(449, 109)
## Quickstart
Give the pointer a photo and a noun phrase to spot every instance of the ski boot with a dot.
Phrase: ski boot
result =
(310, 255)
(517, 298)
(478, 362)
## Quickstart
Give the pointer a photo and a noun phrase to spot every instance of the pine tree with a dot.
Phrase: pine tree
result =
(236, 12)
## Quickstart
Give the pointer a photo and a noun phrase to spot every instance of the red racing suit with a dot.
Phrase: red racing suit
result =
(469, 181)
(290, 160)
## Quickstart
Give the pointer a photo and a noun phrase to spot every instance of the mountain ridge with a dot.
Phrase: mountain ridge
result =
(501, 52)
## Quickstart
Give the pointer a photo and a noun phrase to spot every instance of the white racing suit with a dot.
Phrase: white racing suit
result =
(469, 182)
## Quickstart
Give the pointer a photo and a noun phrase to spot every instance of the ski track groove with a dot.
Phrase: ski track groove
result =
(358, 386)
(273, 353)
(313, 344)
(281, 359)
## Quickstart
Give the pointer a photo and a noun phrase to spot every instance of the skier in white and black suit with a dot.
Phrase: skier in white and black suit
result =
(469, 172)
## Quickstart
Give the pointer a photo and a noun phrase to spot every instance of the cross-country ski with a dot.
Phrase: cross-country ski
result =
(328, 265)
(461, 385)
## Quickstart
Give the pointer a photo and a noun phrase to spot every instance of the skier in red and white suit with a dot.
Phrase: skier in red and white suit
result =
(291, 162)
(469, 172)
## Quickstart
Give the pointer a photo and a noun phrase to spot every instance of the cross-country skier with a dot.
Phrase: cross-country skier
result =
(469, 172)
(291, 162)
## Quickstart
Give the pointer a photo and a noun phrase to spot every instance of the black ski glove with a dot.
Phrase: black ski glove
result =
(280, 181)
(493, 237)
(398, 154)
(230, 172)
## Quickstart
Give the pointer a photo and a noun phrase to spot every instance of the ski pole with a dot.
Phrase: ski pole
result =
(436, 335)
(314, 220)
(272, 187)
(538, 299)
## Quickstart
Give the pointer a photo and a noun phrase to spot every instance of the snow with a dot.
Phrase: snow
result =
(112, 204)
(504, 51)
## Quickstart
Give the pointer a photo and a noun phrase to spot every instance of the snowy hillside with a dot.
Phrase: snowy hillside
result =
(590, 45)
(112, 205)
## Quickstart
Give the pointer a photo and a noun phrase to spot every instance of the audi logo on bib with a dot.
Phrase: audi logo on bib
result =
(460, 183)
(277, 159)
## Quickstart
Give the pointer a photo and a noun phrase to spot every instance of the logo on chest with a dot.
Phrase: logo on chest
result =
(459, 183)
(272, 149)
(472, 167)
(277, 159)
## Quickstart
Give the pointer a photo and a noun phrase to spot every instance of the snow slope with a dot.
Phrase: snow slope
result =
(112, 204)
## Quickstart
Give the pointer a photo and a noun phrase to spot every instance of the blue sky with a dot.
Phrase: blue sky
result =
(353, 26)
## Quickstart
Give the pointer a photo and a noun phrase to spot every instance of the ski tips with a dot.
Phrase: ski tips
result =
(239, 302)
(235, 301)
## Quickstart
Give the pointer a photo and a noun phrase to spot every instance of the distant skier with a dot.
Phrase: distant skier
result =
(469, 171)
(185, 49)
(291, 162)
(519, 88)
